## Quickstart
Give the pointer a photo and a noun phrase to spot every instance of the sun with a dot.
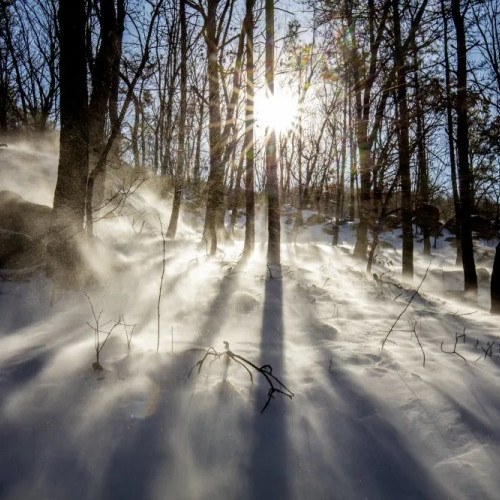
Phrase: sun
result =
(278, 111)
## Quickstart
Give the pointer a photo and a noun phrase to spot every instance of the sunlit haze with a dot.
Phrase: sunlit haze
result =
(278, 111)
(211, 290)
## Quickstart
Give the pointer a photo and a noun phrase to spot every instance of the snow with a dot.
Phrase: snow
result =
(364, 422)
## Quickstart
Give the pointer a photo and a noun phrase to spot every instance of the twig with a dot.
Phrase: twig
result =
(489, 350)
(98, 345)
(461, 314)
(161, 283)
(406, 307)
(275, 385)
(419, 343)
(127, 334)
(457, 338)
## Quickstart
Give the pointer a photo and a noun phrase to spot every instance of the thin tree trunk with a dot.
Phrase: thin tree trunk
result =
(103, 83)
(451, 143)
(215, 196)
(249, 134)
(352, 164)
(135, 133)
(464, 172)
(272, 184)
(495, 283)
(197, 154)
(423, 173)
(235, 199)
(179, 171)
(403, 146)
(115, 78)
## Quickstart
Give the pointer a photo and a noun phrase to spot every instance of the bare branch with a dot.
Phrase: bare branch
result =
(275, 385)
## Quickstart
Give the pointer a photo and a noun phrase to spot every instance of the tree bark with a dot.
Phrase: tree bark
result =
(179, 171)
(249, 134)
(64, 261)
(102, 77)
(464, 171)
(495, 283)
(423, 171)
(272, 184)
(215, 196)
(451, 142)
(403, 145)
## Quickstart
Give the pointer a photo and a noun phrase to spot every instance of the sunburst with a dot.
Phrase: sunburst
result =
(278, 111)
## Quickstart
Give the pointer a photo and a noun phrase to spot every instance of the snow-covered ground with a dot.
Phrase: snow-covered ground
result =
(364, 422)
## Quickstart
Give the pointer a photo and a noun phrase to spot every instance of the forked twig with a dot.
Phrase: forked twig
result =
(98, 329)
(457, 338)
(275, 385)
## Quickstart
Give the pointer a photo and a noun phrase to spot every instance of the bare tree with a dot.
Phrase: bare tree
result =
(272, 184)
(249, 131)
(403, 144)
(464, 171)
(63, 252)
(179, 171)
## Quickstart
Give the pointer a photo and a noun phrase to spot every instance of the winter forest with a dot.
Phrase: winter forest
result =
(249, 249)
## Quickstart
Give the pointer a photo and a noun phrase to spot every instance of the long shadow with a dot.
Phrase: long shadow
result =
(355, 449)
(130, 472)
(142, 451)
(268, 469)
(374, 460)
(217, 311)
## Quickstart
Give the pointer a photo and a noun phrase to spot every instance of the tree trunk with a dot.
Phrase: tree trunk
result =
(101, 90)
(236, 195)
(179, 171)
(272, 184)
(115, 79)
(197, 154)
(215, 196)
(495, 283)
(64, 260)
(464, 172)
(423, 171)
(352, 165)
(403, 146)
(249, 134)
(451, 143)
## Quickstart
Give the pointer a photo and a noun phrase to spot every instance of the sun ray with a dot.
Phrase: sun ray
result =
(278, 111)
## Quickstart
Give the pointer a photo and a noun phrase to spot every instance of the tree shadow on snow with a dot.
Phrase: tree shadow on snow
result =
(348, 447)
(268, 469)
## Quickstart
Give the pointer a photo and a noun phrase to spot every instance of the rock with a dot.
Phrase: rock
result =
(315, 219)
(481, 227)
(391, 222)
(328, 228)
(245, 303)
(21, 216)
(23, 230)
(386, 244)
(427, 218)
(18, 250)
(484, 228)
(483, 275)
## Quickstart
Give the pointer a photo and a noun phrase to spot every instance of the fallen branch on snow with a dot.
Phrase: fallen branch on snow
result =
(275, 385)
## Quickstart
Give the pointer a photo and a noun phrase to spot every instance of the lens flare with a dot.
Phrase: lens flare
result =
(278, 111)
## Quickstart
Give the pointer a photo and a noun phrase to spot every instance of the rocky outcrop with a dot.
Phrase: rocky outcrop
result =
(23, 230)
